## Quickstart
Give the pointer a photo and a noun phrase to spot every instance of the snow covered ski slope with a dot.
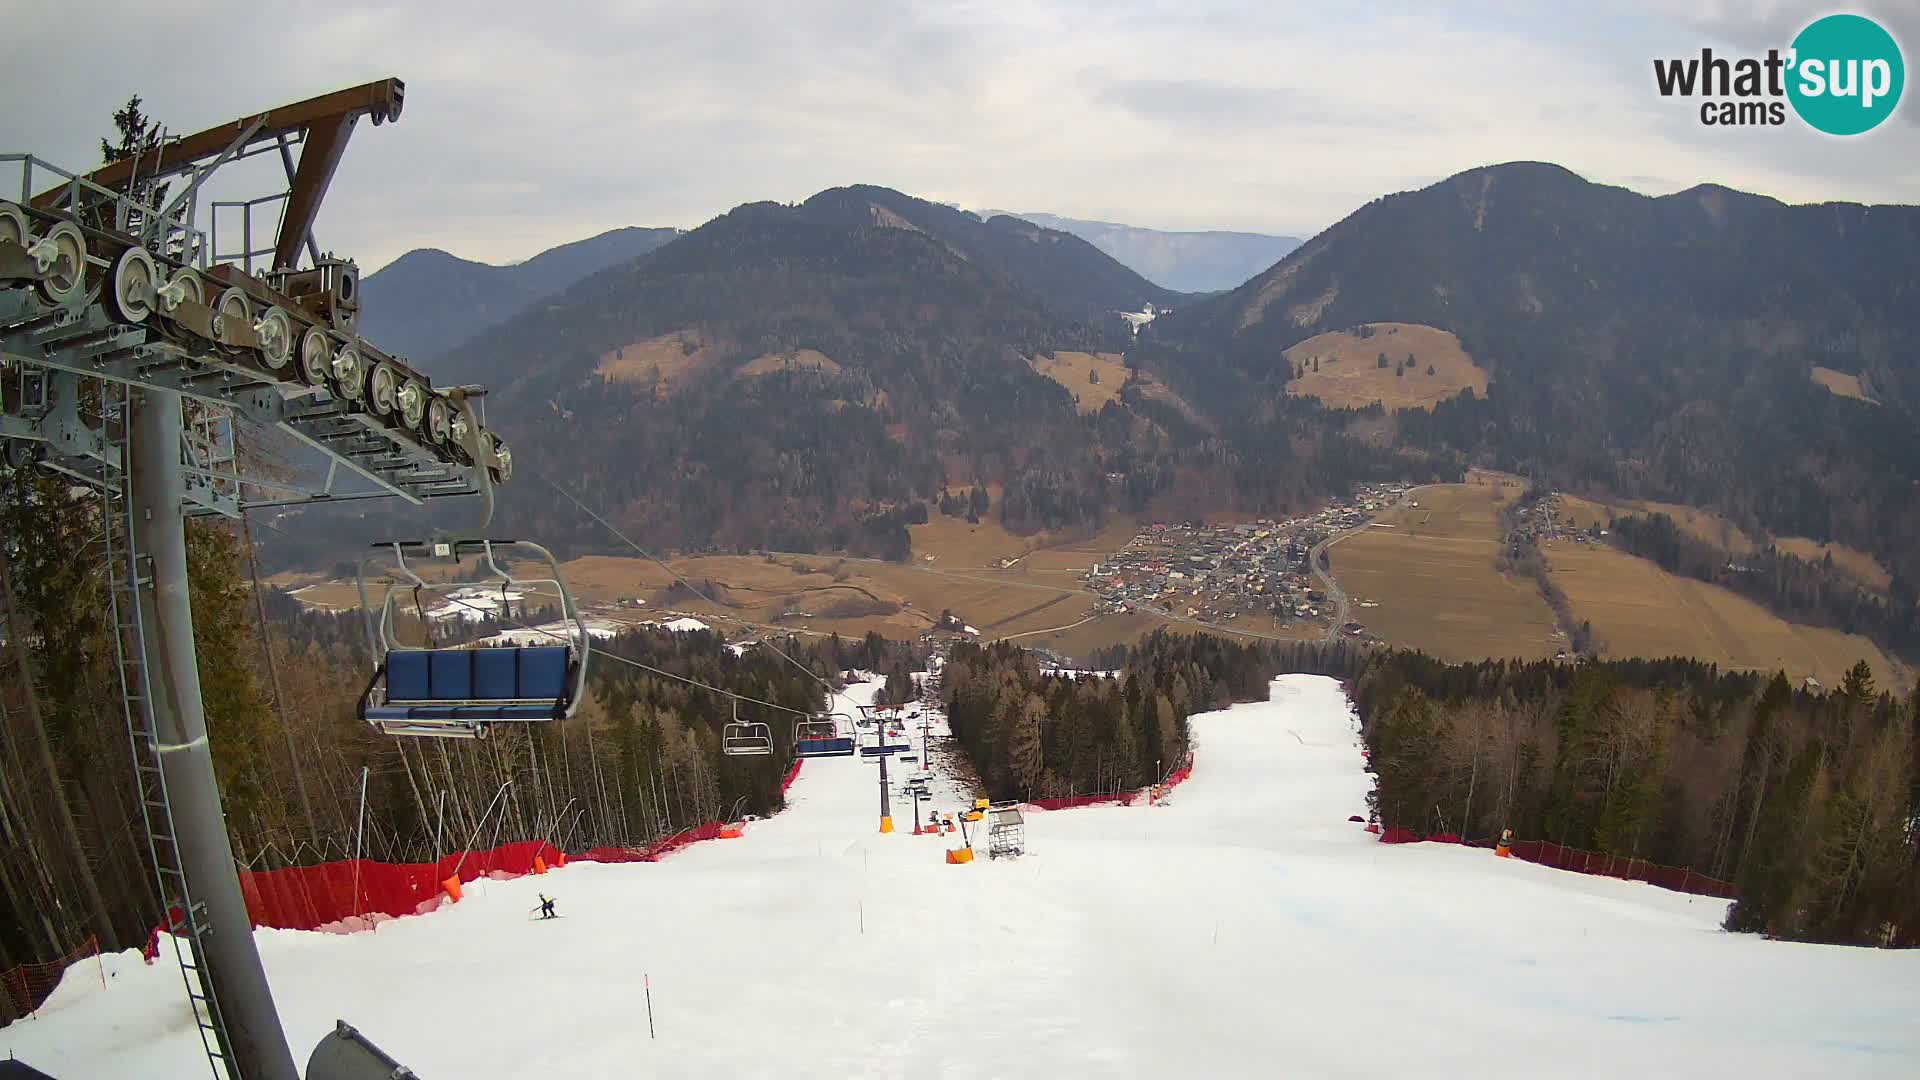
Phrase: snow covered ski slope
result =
(1248, 929)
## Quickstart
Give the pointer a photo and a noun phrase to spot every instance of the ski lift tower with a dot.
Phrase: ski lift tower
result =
(131, 344)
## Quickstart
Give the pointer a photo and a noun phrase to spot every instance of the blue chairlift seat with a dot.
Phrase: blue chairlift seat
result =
(837, 746)
(464, 688)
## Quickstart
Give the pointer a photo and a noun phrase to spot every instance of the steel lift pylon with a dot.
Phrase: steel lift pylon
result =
(130, 347)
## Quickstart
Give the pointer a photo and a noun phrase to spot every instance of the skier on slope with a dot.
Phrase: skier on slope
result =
(546, 907)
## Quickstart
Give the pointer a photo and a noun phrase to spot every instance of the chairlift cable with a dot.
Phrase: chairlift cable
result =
(608, 525)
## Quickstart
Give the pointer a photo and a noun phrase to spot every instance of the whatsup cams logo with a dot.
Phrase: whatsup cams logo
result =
(1842, 75)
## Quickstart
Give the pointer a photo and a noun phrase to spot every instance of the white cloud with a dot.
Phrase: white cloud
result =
(527, 126)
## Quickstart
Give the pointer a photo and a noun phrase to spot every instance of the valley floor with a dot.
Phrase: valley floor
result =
(1248, 929)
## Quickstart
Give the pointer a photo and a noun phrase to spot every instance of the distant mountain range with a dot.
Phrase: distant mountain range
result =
(1192, 262)
(425, 302)
(807, 376)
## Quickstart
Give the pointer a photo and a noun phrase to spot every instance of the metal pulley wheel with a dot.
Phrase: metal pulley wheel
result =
(439, 429)
(349, 373)
(382, 384)
(411, 400)
(13, 225)
(275, 331)
(316, 356)
(231, 310)
(134, 280)
(62, 255)
(183, 287)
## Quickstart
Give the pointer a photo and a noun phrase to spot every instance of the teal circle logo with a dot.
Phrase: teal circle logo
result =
(1845, 74)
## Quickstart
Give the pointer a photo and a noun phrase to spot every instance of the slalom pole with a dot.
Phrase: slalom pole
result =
(647, 980)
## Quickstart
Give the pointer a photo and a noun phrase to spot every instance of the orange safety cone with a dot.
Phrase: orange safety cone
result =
(451, 887)
(539, 865)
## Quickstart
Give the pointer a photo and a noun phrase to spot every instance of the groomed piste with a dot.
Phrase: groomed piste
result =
(1245, 929)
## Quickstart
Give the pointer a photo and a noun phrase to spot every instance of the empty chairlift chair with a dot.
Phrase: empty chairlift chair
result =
(461, 691)
(745, 738)
(820, 736)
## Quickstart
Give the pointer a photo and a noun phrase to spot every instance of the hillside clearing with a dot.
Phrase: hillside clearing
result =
(1078, 372)
(1704, 525)
(1851, 561)
(1841, 384)
(1349, 374)
(798, 360)
(663, 361)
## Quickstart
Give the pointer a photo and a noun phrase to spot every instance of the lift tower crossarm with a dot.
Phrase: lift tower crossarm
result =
(380, 100)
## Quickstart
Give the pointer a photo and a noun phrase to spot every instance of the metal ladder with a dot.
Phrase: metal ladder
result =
(127, 571)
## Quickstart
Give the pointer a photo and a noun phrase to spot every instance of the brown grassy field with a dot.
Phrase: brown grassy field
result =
(1638, 609)
(798, 360)
(1718, 531)
(665, 360)
(1350, 375)
(1702, 524)
(1431, 574)
(1841, 384)
(954, 543)
(1073, 370)
(1851, 561)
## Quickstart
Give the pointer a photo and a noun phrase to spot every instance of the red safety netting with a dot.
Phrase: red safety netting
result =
(792, 775)
(1559, 857)
(27, 986)
(653, 852)
(308, 897)
(1677, 878)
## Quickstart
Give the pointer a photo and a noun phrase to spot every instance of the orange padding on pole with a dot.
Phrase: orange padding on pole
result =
(960, 855)
(452, 888)
(539, 865)
(731, 832)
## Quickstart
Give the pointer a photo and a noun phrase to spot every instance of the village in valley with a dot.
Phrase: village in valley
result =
(1219, 572)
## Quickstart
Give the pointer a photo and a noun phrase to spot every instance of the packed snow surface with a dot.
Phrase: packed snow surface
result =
(1248, 929)
(554, 633)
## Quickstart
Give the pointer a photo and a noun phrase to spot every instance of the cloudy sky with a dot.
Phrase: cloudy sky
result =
(531, 124)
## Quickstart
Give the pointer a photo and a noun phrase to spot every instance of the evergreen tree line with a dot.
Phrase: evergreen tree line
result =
(1809, 801)
(1033, 735)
